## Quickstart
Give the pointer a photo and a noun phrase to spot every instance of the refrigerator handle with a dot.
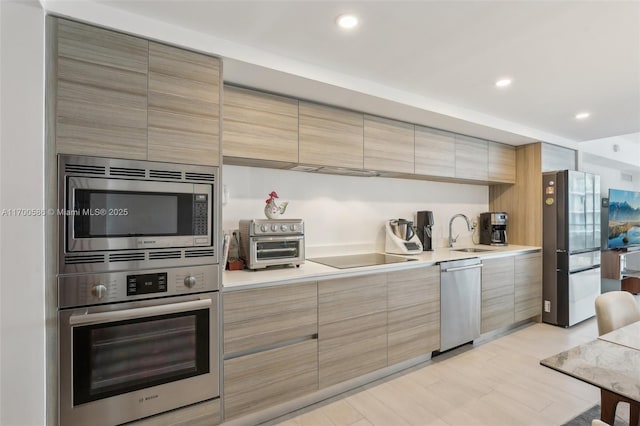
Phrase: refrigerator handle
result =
(588, 268)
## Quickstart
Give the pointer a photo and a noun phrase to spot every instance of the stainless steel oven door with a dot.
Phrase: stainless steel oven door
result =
(280, 250)
(126, 361)
(120, 214)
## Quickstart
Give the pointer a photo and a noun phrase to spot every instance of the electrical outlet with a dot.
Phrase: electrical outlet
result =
(474, 224)
(547, 306)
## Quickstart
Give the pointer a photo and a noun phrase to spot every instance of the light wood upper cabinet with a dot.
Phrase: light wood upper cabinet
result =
(497, 293)
(184, 106)
(528, 286)
(259, 125)
(502, 163)
(388, 145)
(101, 92)
(262, 317)
(352, 327)
(330, 136)
(435, 153)
(413, 313)
(472, 158)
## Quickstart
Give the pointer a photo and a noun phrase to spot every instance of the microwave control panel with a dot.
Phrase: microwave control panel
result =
(200, 214)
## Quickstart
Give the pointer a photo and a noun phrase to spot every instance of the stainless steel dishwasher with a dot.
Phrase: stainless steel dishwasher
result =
(460, 299)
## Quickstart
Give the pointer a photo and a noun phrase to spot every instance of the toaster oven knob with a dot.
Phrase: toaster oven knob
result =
(99, 291)
(190, 281)
(274, 227)
(294, 227)
(284, 228)
(264, 228)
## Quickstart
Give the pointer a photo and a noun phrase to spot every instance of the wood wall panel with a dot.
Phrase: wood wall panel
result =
(522, 200)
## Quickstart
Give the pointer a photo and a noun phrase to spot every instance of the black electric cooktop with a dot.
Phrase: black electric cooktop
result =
(359, 260)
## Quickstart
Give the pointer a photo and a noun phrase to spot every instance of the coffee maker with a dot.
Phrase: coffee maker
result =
(493, 228)
(424, 229)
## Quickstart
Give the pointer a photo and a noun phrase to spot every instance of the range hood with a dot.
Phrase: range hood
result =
(335, 170)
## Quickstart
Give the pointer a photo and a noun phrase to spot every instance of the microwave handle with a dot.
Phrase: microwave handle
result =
(125, 314)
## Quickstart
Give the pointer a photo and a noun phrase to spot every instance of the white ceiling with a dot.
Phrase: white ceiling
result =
(433, 61)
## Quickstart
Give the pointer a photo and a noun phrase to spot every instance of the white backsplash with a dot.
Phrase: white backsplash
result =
(346, 214)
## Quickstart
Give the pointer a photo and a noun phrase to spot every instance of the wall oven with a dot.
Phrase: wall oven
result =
(137, 343)
(117, 214)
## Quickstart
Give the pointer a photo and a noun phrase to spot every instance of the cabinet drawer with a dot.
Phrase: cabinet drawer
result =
(351, 348)
(258, 318)
(263, 379)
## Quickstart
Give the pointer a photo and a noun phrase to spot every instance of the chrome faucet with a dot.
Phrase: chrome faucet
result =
(451, 239)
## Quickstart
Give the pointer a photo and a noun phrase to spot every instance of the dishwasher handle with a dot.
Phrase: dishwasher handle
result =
(462, 268)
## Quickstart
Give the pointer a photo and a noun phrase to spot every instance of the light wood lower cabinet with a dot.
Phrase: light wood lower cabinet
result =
(413, 313)
(261, 317)
(259, 380)
(528, 286)
(270, 346)
(497, 293)
(352, 327)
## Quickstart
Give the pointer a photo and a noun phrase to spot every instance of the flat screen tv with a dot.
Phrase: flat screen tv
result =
(624, 218)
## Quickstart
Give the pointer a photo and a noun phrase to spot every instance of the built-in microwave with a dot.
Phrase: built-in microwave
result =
(115, 211)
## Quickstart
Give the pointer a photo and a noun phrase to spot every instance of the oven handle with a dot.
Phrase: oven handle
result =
(125, 314)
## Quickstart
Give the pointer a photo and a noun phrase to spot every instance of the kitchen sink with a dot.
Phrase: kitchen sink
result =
(470, 250)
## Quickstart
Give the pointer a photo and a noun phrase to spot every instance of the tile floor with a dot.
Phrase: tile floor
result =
(495, 382)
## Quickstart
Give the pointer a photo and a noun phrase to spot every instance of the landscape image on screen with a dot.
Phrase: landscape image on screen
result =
(624, 218)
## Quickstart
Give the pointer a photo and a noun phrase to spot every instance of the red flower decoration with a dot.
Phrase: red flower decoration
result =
(273, 194)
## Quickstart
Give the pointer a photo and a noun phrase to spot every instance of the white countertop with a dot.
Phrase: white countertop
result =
(245, 279)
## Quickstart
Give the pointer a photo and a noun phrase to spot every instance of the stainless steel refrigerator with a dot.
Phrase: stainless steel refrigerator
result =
(570, 246)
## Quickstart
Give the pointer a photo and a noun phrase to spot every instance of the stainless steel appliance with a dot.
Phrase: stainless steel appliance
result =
(570, 246)
(424, 230)
(401, 237)
(271, 242)
(360, 260)
(133, 344)
(460, 301)
(493, 228)
(124, 214)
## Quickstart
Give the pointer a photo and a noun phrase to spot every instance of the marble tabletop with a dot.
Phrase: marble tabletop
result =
(629, 336)
(607, 365)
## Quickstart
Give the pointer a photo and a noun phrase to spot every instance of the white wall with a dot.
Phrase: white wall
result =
(344, 213)
(623, 148)
(611, 172)
(22, 325)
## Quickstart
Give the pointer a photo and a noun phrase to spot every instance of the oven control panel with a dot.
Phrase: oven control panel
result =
(96, 289)
(146, 283)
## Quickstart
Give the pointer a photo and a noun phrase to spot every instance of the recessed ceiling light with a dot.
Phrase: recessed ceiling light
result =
(504, 82)
(582, 115)
(347, 22)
